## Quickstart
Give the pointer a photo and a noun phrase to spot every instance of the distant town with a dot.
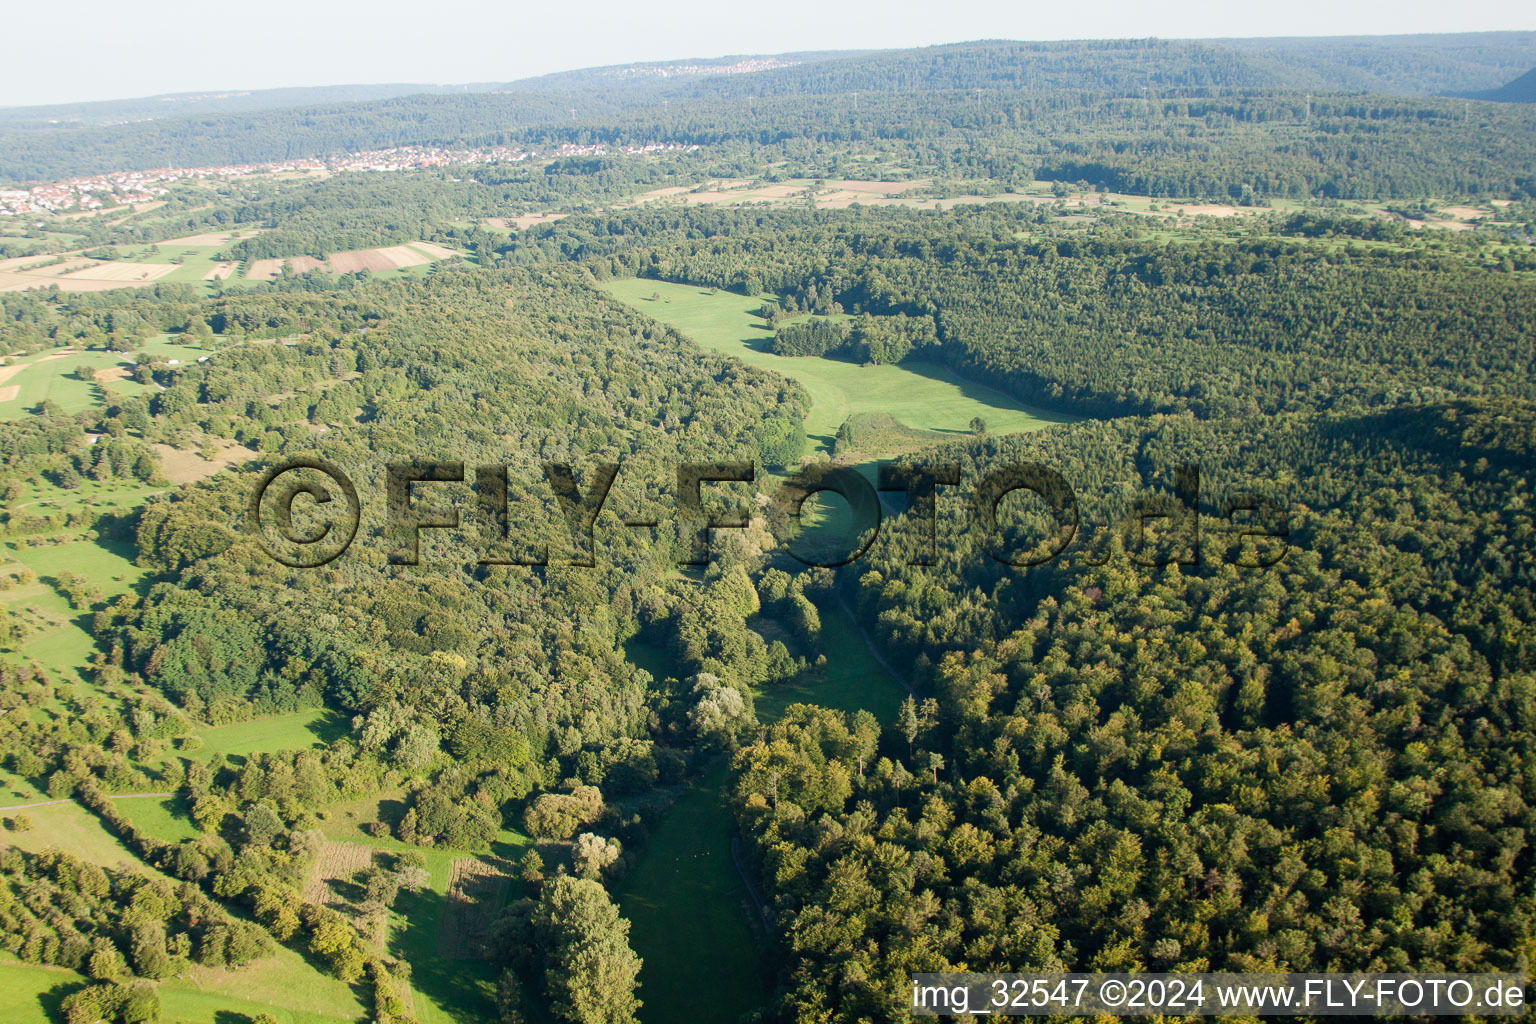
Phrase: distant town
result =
(124, 188)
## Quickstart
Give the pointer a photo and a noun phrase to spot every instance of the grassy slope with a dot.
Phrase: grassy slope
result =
(63, 644)
(920, 394)
(690, 918)
(300, 730)
(282, 985)
(70, 827)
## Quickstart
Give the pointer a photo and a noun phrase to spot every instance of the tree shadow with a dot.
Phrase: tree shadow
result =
(391, 811)
(982, 393)
(330, 727)
(52, 1001)
(469, 986)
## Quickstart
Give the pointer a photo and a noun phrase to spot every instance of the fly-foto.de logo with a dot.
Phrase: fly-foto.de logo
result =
(327, 503)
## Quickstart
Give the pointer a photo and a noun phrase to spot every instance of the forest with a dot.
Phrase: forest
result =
(1268, 704)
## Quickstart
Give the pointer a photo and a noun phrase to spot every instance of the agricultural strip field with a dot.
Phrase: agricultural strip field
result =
(380, 260)
(920, 394)
(338, 862)
(444, 991)
(476, 894)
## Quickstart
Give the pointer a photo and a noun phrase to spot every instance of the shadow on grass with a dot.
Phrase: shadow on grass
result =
(979, 392)
(467, 986)
(330, 727)
(52, 1001)
(391, 811)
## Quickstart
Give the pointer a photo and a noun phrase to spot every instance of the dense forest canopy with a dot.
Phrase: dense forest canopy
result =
(1267, 706)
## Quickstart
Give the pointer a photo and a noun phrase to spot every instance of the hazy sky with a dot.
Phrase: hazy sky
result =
(95, 49)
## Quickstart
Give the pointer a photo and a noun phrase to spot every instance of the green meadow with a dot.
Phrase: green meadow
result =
(167, 818)
(299, 730)
(283, 985)
(919, 394)
(60, 641)
(70, 827)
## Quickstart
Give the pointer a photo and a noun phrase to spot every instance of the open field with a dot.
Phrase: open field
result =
(921, 395)
(84, 275)
(51, 376)
(338, 862)
(69, 826)
(205, 240)
(690, 916)
(520, 223)
(16, 790)
(184, 467)
(60, 642)
(165, 818)
(300, 730)
(189, 259)
(476, 893)
(282, 985)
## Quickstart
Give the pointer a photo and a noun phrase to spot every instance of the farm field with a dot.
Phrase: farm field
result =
(190, 260)
(193, 260)
(382, 260)
(692, 921)
(921, 395)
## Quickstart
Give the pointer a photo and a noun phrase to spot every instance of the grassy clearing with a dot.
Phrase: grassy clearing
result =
(300, 730)
(32, 994)
(691, 919)
(853, 680)
(51, 377)
(70, 827)
(283, 986)
(689, 915)
(919, 394)
(165, 818)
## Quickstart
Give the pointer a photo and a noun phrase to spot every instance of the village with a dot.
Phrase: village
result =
(124, 188)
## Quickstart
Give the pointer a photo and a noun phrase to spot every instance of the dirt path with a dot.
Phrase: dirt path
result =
(873, 651)
(746, 878)
(70, 800)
